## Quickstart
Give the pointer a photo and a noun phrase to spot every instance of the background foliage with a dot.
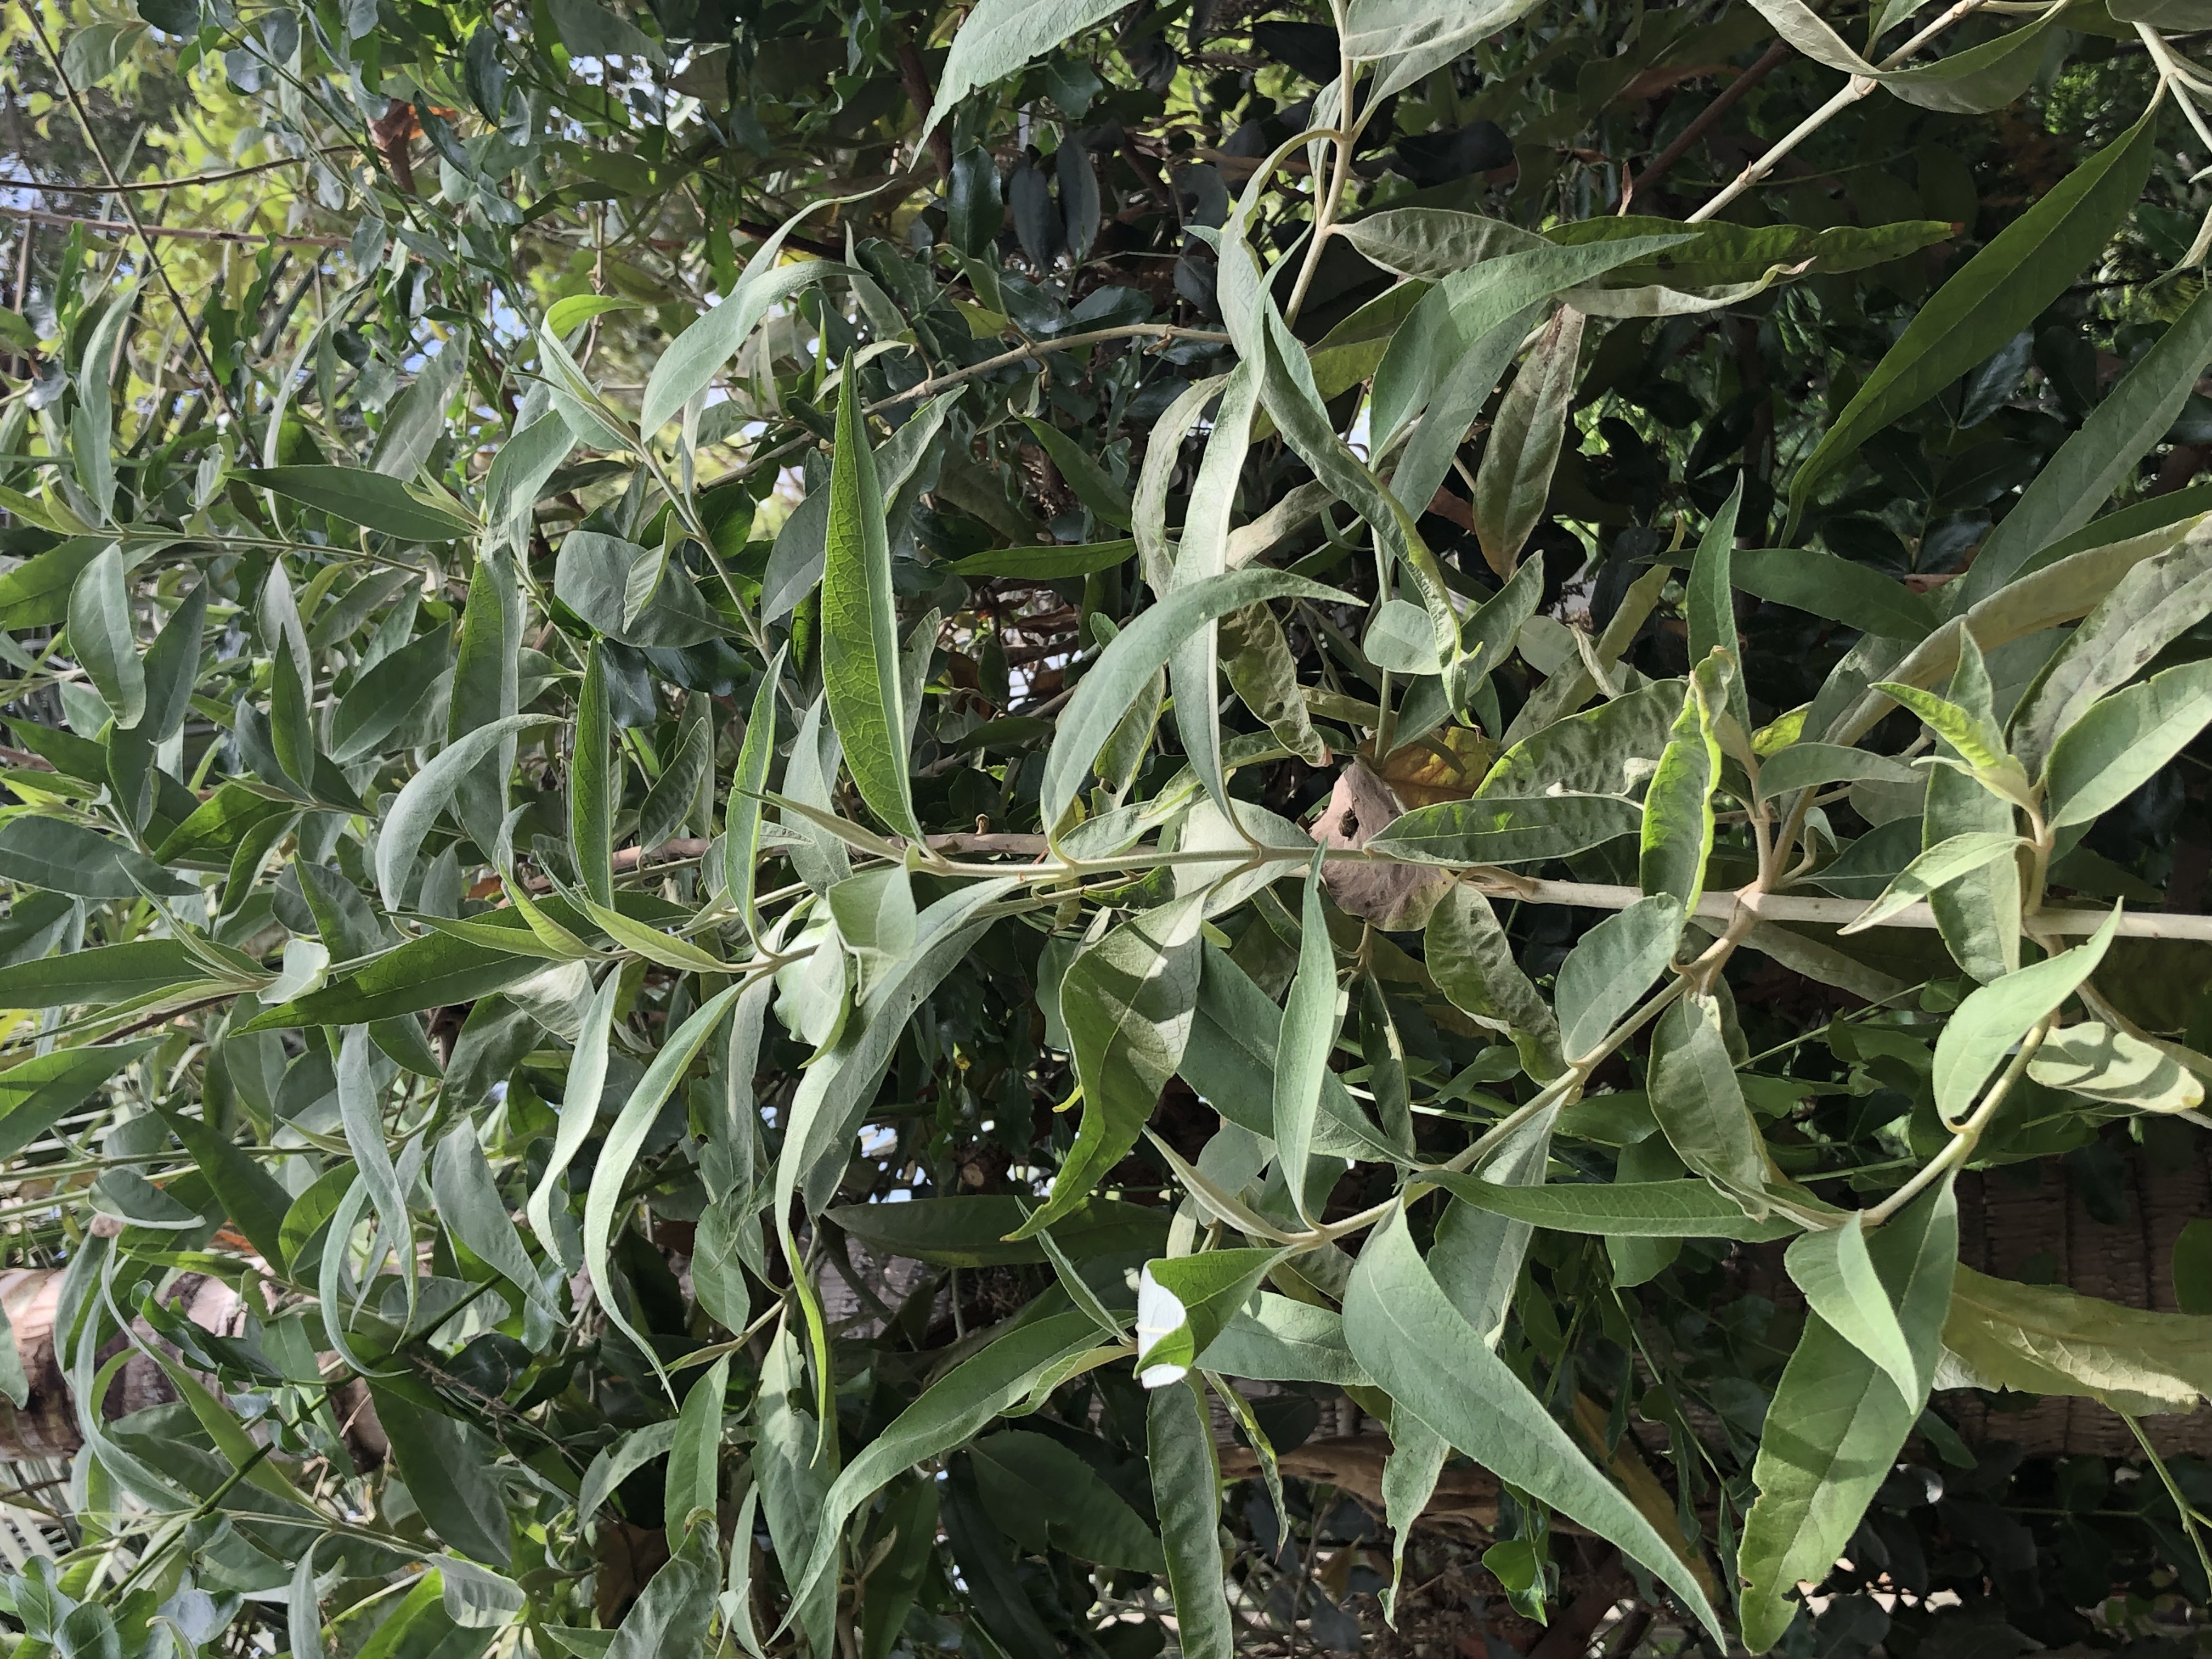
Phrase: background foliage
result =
(673, 670)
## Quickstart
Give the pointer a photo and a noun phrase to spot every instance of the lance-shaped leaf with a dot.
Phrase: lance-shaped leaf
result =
(860, 626)
(2046, 1339)
(1826, 586)
(369, 499)
(742, 817)
(1187, 1492)
(1612, 967)
(407, 822)
(2125, 741)
(1139, 651)
(473, 1212)
(1988, 300)
(1308, 1037)
(1837, 1421)
(949, 1413)
(2092, 1060)
(603, 1202)
(1424, 1355)
(1515, 480)
(1471, 959)
(1947, 862)
(1983, 1028)
(105, 640)
(1678, 808)
(1620, 1209)
(2150, 607)
(1505, 829)
(592, 789)
(2134, 417)
(1708, 605)
(670, 1620)
(1195, 669)
(1833, 1268)
(1128, 1002)
(1700, 1105)
(694, 1451)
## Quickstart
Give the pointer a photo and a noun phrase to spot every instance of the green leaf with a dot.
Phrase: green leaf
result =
(104, 638)
(1612, 749)
(254, 1200)
(640, 596)
(1678, 808)
(472, 1210)
(565, 316)
(104, 973)
(2149, 607)
(63, 857)
(1723, 254)
(527, 461)
(1983, 1028)
(1280, 1341)
(1825, 586)
(1193, 669)
(1834, 1269)
(2046, 1339)
(689, 364)
(407, 822)
(970, 1231)
(1810, 765)
(1514, 482)
(1184, 1301)
(1187, 1492)
(742, 816)
(592, 789)
(365, 498)
(1090, 481)
(2134, 417)
(1230, 1061)
(1620, 1209)
(1709, 604)
(1310, 1018)
(1128, 1001)
(1976, 737)
(1978, 914)
(2120, 744)
(446, 1469)
(1989, 299)
(1047, 1498)
(1139, 651)
(389, 696)
(1700, 1105)
(948, 1413)
(1947, 862)
(432, 972)
(671, 1619)
(999, 37)
(1494, 829)
(1433, 1365)
(694, 1455)
(1612, 967)
(41, 1091)
(2095, 1061)
(1046, 563)
(1471, 959)
(625, 1141)
(860, 626)
(1837, 1422)
(1975, 79)
(1451, 319)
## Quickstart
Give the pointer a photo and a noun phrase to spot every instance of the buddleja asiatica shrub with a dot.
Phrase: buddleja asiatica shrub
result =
(523, 899)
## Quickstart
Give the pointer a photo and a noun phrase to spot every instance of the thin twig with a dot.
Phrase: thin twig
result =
(1704, 121)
